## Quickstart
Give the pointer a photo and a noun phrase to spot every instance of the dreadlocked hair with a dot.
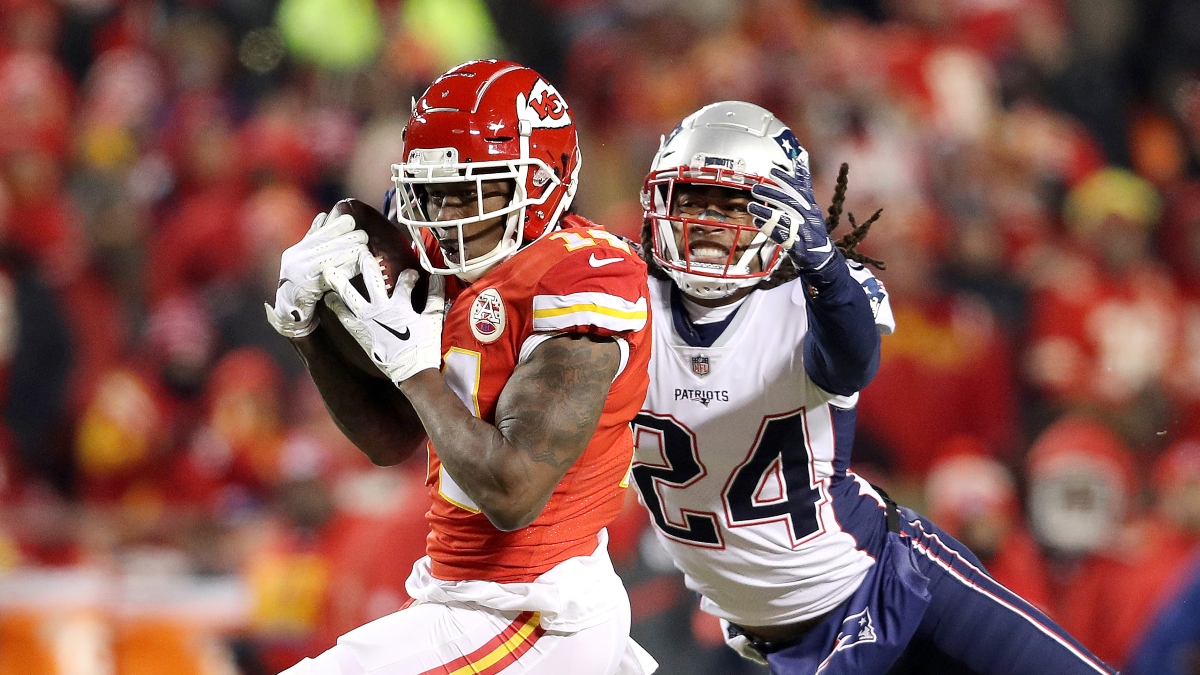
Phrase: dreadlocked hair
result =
(848, 244)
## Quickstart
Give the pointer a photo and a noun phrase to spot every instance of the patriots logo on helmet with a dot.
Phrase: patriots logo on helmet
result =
(875, 292)
(788, 142)
(674, 132)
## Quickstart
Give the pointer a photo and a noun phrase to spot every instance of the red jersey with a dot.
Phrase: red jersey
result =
(582, 280)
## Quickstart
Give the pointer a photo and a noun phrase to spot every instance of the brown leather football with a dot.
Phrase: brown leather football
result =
(390, 243)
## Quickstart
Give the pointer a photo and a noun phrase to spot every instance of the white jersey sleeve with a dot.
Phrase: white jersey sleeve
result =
(881, 303)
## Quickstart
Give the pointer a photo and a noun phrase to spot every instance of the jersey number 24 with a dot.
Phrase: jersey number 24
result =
(779, 450)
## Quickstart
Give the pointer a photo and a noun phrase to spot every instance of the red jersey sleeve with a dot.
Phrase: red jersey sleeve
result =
(598, 287)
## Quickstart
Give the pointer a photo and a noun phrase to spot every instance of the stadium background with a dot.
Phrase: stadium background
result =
(175, 499)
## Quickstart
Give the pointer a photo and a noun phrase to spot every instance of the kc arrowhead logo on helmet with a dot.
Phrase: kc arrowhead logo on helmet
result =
(544, 107)
(550, 105)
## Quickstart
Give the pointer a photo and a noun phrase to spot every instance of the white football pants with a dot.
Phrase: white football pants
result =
(463, 639)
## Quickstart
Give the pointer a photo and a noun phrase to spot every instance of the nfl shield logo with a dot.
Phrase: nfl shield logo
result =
(700, 365)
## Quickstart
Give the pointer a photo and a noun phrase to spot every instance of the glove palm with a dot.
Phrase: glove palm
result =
(328, 243)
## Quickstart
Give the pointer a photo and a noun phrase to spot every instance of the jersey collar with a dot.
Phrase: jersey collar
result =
(697, 335)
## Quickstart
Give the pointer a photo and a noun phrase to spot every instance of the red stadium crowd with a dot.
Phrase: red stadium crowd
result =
(1037, 165)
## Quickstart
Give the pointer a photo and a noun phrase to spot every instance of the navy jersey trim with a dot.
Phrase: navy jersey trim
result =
(696, 335)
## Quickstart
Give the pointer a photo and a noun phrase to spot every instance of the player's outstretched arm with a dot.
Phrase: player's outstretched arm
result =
(545, 418)
(370, 411)
(841, 348)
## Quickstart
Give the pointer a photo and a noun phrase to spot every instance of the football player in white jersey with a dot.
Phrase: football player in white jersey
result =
(763, 335)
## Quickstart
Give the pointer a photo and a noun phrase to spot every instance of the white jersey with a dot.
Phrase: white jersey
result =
(741, 460)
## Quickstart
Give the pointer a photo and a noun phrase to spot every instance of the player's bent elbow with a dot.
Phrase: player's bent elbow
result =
(870, 368)
(508, 493)
(382, 459)
(387, 454)
(507, 520)
(512, 514)
(850, 386)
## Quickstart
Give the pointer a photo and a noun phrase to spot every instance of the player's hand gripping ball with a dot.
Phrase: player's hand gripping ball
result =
(390, 246)
(400, 341)
(331, 241)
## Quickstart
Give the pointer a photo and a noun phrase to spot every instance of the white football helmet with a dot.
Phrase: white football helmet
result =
(729, 144)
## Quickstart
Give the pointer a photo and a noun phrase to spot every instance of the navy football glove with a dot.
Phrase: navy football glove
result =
(792, 219)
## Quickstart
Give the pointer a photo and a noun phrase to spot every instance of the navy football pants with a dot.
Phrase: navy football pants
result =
(928, 608)
(975, 625)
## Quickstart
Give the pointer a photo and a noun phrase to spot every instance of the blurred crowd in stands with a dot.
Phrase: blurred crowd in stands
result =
(175, 500)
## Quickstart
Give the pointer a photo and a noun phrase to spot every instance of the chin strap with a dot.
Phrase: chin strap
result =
(477, 274)
(708, 288)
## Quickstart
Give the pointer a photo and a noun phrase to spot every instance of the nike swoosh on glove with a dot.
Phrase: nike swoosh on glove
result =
(792, 219)
(399, 341)
(328, 243)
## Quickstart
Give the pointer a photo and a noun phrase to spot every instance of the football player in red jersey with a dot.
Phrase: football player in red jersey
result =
(521, 376)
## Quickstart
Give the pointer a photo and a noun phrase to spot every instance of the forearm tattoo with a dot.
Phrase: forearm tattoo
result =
(558, 401)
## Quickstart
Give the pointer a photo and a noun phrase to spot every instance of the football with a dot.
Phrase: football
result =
(389, 243)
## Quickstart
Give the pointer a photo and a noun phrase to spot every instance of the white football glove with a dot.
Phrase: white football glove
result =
(327, 244)
(397, 339)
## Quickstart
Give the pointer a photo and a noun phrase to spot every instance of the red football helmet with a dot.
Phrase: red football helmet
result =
(483, 121)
